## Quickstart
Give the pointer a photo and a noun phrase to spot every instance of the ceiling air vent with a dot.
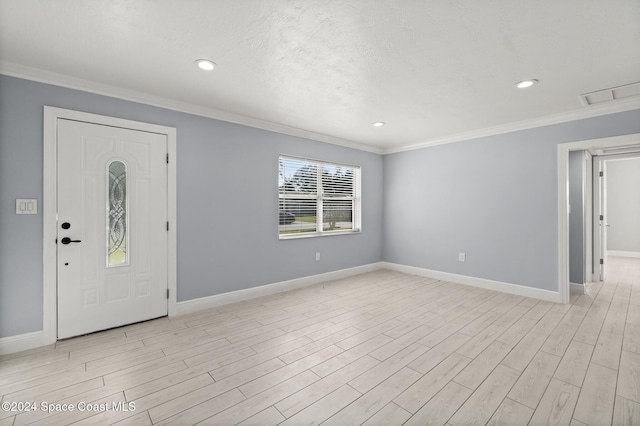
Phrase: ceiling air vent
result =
(610, 95)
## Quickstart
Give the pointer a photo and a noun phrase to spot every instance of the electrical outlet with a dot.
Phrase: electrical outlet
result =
(317, 255)
(462, 257)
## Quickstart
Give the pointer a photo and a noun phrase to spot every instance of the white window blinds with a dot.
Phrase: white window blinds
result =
(317, 198)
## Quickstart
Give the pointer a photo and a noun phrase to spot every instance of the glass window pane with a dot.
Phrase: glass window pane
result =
(297, 176)
(117, 232)
(337, 215)
(337, 181)
(297, 215)
(298, 199)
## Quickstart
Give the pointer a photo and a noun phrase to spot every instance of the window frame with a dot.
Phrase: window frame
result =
(320, 197)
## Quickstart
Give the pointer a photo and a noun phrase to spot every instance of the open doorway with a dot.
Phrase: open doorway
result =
(616, 208)
(618, 145)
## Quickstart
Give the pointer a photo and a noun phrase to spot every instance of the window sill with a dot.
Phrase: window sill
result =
(316, 234)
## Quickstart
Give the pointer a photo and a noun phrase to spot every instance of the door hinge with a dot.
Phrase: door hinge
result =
(167, 225)
(602, 261)
(601, 174)
(167, 293)
(167, 158)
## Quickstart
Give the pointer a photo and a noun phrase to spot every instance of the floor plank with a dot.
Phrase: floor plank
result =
(631, 339)
(629, 376)
(298, 401)
(533, 381)
(607, 350)
(557, 404)
(626, 412)
(441, 407)
(416, 395)
(511, 413)
(481, 405)
(480, 368)
(574, 363)
(327, 406)
(374, 400)
(559, 339)
(595, 404)
(390, 415)
(524, 351)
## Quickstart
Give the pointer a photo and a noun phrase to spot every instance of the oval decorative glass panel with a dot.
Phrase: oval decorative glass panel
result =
(117, 232)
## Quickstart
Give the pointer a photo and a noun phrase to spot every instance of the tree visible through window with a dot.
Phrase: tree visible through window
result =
(317, 198)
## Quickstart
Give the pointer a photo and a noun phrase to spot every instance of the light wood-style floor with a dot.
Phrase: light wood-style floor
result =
(383, 348)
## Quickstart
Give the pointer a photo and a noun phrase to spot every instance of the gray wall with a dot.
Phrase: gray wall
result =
(227, 193)
(494, 198)
(623, 205)
(576, 217)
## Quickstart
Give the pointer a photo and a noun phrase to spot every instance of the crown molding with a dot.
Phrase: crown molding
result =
(62, 80)
(42, 76)
(586, 112)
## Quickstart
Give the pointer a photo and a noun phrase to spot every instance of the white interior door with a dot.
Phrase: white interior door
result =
(112, 227)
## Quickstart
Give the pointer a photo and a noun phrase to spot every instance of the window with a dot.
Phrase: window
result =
(117, 233)
(317, 198)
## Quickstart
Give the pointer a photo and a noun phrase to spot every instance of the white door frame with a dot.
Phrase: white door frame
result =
(599, 226)
(587, 229)
(563, 199)
(50, 201)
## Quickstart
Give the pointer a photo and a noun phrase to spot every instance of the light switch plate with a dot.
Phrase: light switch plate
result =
(26, 206)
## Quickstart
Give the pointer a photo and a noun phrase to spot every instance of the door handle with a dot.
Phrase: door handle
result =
(67, 240)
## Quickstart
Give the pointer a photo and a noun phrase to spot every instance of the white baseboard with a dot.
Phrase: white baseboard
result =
(193, 305)
(620, 253)
(21, 342)
(576, 288)
(520, 290)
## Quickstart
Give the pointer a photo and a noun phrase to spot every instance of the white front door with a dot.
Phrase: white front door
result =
(111, 227)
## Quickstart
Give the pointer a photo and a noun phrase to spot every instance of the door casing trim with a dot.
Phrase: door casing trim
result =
(50, 200)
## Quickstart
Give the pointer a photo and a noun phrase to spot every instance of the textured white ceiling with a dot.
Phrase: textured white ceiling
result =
(429, 69)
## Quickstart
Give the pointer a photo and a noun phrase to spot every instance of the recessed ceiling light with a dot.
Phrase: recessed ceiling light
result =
(378, 123)
(526, 83)
(205, 64)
